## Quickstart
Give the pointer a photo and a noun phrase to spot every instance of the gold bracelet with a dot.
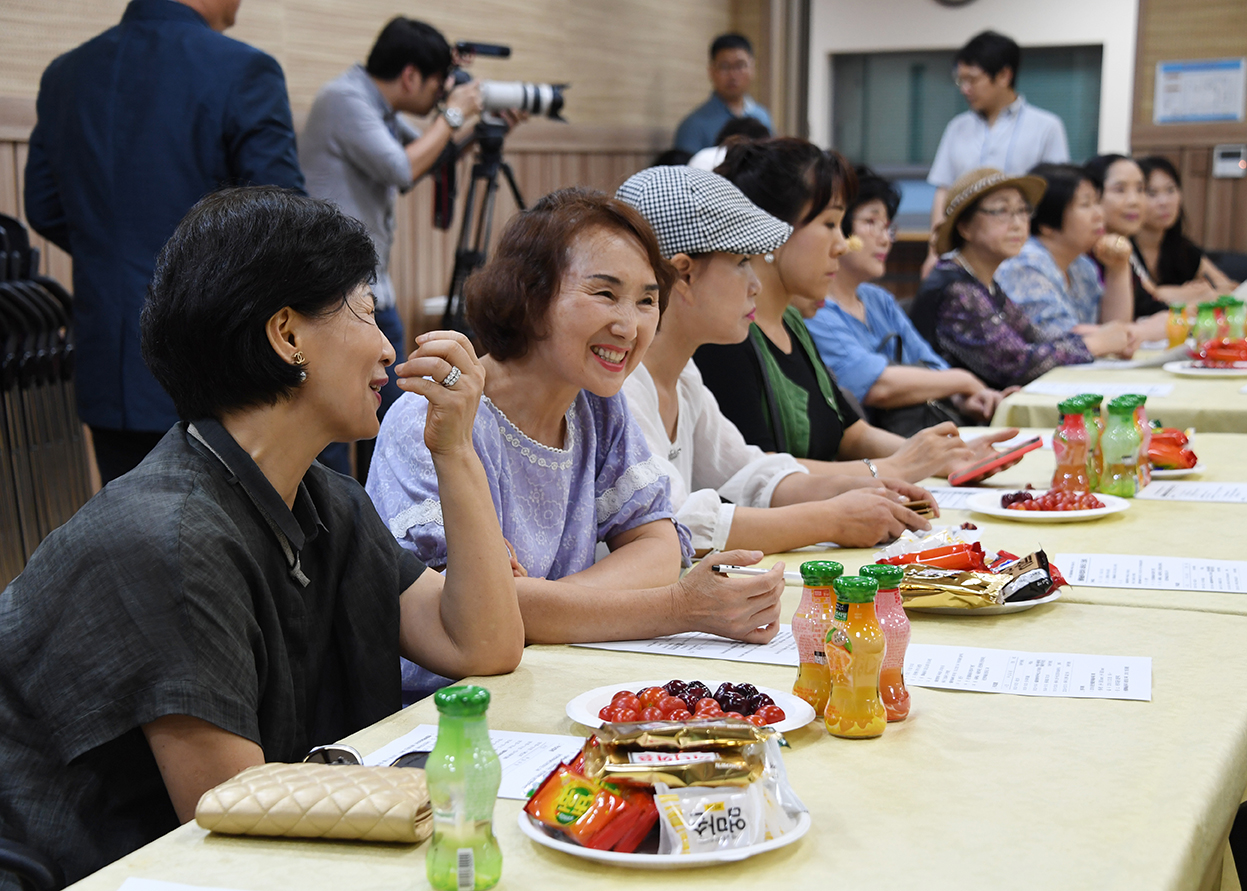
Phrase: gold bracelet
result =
(874, 471)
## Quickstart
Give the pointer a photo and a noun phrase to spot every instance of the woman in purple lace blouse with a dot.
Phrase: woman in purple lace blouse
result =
(565, 310)
(962, 311)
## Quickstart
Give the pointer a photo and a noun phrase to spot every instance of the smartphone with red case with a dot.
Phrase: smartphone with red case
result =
(976, 472)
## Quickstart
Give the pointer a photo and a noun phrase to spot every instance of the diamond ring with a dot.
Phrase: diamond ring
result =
(453, 378)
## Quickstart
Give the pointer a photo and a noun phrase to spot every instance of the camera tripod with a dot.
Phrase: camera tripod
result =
(470, 251)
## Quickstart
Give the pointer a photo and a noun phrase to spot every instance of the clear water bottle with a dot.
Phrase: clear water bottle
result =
(464, 773)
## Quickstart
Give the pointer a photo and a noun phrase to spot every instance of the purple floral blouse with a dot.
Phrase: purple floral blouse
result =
(986, 332)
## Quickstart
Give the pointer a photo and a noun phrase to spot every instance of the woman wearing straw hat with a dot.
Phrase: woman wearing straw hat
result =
(961, 309)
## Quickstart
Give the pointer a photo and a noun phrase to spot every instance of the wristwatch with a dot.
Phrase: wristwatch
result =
(453, 116)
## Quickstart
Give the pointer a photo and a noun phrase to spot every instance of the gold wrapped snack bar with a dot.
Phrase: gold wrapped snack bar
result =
(934, 586)
(724, 752)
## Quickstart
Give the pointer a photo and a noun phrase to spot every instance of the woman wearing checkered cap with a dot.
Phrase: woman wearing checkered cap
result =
(729, 493)
(774, 387)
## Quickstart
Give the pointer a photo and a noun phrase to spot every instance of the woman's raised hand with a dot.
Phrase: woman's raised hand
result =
(444, 369)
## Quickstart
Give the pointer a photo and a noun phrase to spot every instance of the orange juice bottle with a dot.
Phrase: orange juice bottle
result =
(855, 650)
(890, 612)
(1177, 326)
(809, 627)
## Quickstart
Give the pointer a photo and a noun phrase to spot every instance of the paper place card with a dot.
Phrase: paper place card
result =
(1165, 490)
(1156, 573)
(1066, 675)
(1108, 391)
(136, 884)
(527, 758)
(782, 650)
(957, 497)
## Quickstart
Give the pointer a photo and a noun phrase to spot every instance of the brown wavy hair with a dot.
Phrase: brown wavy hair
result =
(507, 299)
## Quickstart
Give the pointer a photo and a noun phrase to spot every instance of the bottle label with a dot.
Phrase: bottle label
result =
(837, 638)
(465, 862)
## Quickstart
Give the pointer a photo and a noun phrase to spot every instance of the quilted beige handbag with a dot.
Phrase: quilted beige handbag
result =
(387, 804)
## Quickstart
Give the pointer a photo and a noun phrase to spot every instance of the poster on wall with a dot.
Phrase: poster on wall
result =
(1199, 91)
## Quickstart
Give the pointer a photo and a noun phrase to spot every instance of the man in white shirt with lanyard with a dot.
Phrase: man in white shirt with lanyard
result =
(1000, 130)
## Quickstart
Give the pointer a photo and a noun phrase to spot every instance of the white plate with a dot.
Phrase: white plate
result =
(989, 503)
(538, 833)
(585, 707)
(986, 610)
(1188, 368)
(1178, 472)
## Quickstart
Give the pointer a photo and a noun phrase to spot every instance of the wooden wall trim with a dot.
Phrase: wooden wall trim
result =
(17, 118)
(1155, 136)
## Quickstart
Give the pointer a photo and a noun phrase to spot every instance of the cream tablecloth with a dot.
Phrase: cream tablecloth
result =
(973, 791)
(1205, 404)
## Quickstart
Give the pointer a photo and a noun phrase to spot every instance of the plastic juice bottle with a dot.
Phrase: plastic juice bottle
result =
(855, 651)
(1071, 443)
(1090, 405)
(1144, 426)
(890, 612)
(464, 773)
(1205, 327)
(1236, 318)
(1177, 328)
(1120, 445)
(809, 627)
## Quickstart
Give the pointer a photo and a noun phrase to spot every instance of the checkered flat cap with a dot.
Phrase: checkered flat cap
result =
(698, 212)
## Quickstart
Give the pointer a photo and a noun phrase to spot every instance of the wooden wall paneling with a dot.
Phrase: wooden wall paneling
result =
(9, 200)
(1194, 191)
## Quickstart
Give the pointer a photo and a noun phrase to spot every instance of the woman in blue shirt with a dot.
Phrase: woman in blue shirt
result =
(865, 338)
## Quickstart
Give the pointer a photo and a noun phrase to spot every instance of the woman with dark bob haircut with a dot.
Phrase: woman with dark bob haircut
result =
(774, 386)
(1054, 279)
(565, 310)
(229, 601)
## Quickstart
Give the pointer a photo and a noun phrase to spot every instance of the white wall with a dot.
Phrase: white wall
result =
(863, 26)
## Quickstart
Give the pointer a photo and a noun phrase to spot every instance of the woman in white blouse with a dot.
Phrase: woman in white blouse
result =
(731, 494)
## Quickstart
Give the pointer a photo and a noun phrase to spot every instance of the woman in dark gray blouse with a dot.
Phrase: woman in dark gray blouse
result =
(229, 601)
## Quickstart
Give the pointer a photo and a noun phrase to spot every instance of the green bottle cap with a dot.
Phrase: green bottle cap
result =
(885, 575)
(1120, 407)
(820, 573)
(468, 701)
(1177, 307)
(856, 589)
(1071, 406)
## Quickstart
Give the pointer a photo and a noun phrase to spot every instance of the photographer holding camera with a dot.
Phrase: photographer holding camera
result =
(357, 152)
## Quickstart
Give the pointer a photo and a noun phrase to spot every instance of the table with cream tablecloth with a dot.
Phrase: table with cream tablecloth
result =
(973, 791)
(1212, 405)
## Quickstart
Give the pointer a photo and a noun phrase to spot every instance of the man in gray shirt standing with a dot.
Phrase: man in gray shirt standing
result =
(358, 153)
(1000, 130)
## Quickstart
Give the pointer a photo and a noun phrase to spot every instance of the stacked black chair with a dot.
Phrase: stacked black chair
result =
(43, 468)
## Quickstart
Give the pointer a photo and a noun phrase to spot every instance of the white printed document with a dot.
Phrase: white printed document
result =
(958, 497)
(136, 884)
(782, 650)
(527, 758)
(1108, 391)
(1156, 573)
(1177, 490)
(1069, 675)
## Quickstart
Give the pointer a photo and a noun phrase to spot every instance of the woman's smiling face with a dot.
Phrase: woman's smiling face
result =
(603, 319)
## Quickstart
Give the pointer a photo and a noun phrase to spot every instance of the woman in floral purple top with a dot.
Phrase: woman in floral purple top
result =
(565, 310)
(962, 311)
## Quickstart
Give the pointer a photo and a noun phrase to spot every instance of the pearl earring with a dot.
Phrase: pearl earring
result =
(768, 257)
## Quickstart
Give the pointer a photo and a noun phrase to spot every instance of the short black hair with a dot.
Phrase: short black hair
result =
(1063, 181)
(237, 258)
(870, 187)
(744, 126)
(673, 157)
(730, 41)
(992, 52)
(784, 175)
(1097, 168)
(956, 240)
(404, 42)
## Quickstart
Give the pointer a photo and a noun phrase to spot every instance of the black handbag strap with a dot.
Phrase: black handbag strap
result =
(777, 427)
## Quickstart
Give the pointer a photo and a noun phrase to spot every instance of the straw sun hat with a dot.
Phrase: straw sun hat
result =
(971, 186)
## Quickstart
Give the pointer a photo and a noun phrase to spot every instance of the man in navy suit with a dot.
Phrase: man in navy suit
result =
(134, 127)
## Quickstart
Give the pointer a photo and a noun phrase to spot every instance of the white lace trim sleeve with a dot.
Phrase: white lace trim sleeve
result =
(631, 481)
(422, 514)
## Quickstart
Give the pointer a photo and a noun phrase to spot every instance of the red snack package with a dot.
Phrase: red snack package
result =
(646, 815)
(580, 808)
(1167, 456)
(966, 557)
